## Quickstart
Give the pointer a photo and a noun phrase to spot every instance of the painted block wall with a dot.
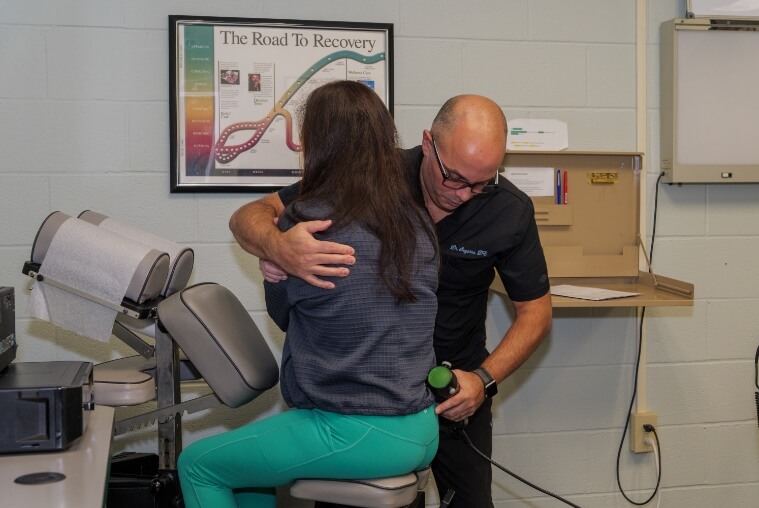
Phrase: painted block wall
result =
(84, 125)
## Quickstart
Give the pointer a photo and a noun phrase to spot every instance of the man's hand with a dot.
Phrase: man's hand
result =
(469, 398)
(296, 251)
(300, 254)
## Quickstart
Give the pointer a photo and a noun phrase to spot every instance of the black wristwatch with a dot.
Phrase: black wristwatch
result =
(491, 387)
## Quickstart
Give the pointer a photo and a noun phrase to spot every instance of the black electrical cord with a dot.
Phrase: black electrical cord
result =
(637, 368)
(444, 384)
(653, 226)
(496, 464)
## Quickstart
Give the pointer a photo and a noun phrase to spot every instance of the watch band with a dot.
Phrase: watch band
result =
(491, 387)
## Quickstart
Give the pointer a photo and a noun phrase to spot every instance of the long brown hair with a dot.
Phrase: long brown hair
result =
(353, 162)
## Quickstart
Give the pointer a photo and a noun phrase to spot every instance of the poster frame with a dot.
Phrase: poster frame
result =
(198, 158)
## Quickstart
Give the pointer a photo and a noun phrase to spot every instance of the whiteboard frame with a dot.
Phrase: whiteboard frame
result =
(671, 133)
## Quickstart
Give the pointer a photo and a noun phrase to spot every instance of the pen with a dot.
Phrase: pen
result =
(566, 187)
(558, 187)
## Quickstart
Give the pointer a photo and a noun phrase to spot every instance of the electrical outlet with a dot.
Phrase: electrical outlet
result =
(637, 434)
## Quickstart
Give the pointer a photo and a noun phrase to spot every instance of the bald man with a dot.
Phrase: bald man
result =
(483, 223)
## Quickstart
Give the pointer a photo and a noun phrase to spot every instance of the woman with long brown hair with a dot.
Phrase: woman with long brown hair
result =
(356, 356)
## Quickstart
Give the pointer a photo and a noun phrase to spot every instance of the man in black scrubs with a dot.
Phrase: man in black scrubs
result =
(483, 223)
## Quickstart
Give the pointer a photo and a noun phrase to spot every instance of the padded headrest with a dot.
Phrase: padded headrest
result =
(181, 259)
(146, 283)
(220, 338)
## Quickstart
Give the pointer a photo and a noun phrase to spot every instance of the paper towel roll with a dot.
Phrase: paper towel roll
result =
(94, 261)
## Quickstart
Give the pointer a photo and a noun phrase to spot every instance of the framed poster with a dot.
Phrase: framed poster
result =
(236, 86)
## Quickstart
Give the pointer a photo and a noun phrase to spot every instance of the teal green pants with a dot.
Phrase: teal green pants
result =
(242, 467)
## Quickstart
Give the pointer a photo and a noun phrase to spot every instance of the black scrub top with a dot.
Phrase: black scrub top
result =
(492, 230)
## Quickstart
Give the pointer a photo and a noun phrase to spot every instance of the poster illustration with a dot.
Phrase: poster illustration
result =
(237, 86)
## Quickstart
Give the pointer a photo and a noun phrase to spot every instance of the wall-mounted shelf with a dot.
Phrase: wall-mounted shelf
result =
(650, 294)
(593, 240)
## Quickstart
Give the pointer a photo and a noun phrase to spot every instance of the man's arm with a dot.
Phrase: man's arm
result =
(531, 324)
(295, 251)
(253, 225)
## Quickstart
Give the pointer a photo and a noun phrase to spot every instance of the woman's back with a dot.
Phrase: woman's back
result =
(356, 349)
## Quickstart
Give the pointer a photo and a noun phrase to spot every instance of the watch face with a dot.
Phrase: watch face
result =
(491, 387)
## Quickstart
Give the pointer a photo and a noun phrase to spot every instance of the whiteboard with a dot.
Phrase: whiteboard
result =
(723, 8)
(717, 92)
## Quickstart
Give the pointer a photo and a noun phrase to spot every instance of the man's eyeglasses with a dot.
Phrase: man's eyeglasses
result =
(453, 182)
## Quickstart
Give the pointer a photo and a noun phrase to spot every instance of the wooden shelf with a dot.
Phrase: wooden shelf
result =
(666, 292)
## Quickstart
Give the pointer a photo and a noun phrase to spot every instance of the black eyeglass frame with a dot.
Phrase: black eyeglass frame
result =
(457, 183)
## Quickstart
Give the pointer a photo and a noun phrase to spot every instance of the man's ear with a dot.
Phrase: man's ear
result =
(426, 142)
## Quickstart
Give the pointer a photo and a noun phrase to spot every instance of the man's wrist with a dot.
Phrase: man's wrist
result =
(491, 387)
(274, 245)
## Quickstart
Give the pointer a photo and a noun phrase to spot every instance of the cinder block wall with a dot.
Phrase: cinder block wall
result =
(84, 125)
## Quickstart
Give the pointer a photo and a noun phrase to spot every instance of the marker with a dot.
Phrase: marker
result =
(559, 195)
(566, 187)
